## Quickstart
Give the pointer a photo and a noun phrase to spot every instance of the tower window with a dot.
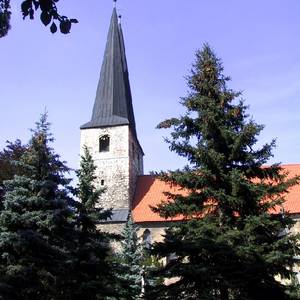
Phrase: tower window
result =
(102, 181)
(104, 143)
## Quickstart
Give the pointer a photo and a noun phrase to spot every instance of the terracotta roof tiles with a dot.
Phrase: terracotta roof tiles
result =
(150, 192)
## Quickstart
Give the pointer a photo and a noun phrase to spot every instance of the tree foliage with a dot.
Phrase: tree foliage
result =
(137, 269)
(8, 166)
(50, 244)
(5, 14)
(36, 225)
(231, 243)
(130, 261)
(152, 278)
(47, 10)
(92, 275)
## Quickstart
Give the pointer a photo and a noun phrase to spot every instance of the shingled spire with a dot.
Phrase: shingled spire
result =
(113, 103)
(111, 134)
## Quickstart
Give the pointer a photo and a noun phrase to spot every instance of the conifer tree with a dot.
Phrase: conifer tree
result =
(230, 244)
(93, 276)
(151, 277)
(130, 262)
(8, 167)
(136, 265)
(36, 224)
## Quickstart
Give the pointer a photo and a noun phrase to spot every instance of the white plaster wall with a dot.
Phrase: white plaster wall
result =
(157, 230)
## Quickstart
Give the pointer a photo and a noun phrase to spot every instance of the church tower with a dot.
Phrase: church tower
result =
(111, 134)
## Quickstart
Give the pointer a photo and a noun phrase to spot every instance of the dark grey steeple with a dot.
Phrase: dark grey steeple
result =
(113, 103)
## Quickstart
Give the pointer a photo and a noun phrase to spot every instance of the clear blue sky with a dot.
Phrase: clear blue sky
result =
(258, 41)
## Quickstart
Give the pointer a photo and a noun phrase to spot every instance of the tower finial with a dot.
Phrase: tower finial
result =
(115, 3)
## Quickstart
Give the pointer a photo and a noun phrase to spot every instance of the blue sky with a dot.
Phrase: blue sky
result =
(258, 42)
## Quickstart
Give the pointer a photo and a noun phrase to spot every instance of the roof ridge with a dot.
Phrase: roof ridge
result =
(290, 164)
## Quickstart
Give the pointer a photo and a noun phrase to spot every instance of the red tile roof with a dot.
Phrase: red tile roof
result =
(150, 192)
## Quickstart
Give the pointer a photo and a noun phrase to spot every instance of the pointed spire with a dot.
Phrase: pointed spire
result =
(113, 103)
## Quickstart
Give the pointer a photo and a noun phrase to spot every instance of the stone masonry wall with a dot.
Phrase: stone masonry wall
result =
(112, 166)
(136, 167)
(115, 228)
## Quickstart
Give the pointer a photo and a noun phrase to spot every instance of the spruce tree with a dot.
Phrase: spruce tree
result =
(130, 260)
(36, 224)
(136, 268)
(92, 275)
(230, 244)
(8, 166)
(151, 277)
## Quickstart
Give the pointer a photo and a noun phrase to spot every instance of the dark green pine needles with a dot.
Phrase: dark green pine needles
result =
(36, 225)
(12, 152)
(94, 276)
(136, 267)
(130, 261)
(232, 244)
(50, 246)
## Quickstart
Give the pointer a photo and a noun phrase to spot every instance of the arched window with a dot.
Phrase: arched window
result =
(104, 143)
(147, 238)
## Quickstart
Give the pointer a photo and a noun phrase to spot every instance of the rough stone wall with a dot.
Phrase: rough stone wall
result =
(136, 166)
(114, 228)
(119, 167)
(112, 166)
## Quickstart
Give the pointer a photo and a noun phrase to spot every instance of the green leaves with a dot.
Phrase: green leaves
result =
(48, 13)
(53, 28)
(65, 26)
(46, 17)
(5, 14)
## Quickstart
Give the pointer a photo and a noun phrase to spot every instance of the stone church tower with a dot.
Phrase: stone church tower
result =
(111, 134)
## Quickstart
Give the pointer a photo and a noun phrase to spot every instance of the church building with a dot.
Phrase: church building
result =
(111, 137)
